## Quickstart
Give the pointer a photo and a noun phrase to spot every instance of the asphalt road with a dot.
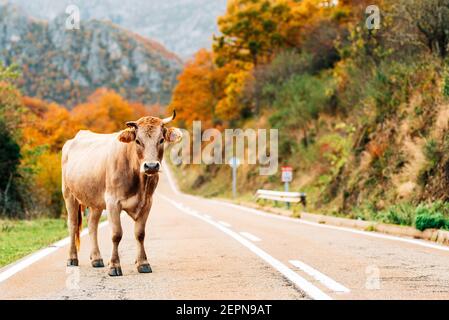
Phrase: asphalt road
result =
(205, 249)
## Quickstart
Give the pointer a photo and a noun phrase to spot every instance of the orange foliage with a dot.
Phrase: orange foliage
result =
(201, 86)
(107, 112)
(376, 149)
(51, 125)
(46, 124)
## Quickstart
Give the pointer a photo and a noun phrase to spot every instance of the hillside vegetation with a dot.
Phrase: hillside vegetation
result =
(66, 66)
(362, 113)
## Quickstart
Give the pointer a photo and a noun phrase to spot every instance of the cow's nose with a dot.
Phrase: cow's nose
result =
(151, 167)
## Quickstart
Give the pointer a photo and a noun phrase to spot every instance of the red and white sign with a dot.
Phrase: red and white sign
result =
(287, 174)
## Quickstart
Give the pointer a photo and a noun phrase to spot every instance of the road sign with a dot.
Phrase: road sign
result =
(234, 162)
(287, 174)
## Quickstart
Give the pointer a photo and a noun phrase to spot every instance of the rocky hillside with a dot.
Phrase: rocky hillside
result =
(65, 66)
(183, 26)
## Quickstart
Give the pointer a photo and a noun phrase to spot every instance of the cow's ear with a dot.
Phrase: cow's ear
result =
(173, 135)
(128, 135)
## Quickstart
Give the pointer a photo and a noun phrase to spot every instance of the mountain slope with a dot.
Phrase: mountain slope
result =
(183, 26)
(67, 65)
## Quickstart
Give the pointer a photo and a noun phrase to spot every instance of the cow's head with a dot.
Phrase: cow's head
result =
(149, 136)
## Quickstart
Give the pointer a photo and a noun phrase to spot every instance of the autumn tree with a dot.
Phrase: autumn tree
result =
(201, 86)
(431, 19)
(251, 31)
(298, 103)
(10, 109)
(104, 112)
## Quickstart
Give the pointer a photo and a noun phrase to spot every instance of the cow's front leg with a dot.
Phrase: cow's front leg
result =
(116, 228)
(139, 231)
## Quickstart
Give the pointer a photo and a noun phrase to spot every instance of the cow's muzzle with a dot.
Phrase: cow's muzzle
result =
(151, 167)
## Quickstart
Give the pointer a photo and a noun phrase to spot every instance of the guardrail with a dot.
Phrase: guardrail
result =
(282, 196)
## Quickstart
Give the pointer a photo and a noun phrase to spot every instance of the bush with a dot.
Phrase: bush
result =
(446, 82)
(432, 216)
(270, 78)
(401, 214)
(298, 102)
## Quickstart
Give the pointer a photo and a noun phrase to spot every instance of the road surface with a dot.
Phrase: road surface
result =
(205, 249)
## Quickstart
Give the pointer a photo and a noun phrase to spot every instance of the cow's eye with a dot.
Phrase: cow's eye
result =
(138, 142)
(162, 141)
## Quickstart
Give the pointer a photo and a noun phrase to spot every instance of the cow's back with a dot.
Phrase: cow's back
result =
(84, 165)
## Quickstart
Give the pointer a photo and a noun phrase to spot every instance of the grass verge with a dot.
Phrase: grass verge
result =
(19, 238)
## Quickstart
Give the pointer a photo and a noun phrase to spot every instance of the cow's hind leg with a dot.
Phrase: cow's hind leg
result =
(95, 255)
(74, 221)
(139, 231)
(116, 228)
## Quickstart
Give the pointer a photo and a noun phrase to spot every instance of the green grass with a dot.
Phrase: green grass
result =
(19, 238)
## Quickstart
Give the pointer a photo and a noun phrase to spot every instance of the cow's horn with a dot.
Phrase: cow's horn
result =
(169, 119)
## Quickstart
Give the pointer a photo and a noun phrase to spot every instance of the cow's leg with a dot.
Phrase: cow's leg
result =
(95, 255)
(73, 216)
(116, 228)
(139, 231)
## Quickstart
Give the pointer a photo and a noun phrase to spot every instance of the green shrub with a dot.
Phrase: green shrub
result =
(401, 214)
(432, 216)
(432, 152)
(298, 102)
(426, 220)
(446, 82)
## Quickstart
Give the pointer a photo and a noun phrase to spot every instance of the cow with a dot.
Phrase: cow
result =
(114, 172)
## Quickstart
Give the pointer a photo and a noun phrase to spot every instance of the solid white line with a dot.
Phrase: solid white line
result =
(207, 216)
(299, 281)
(34, 257)
(223, 223)
(325, 280)
(170, 179)
(250, 236)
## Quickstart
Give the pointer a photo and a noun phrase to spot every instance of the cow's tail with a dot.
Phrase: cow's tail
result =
(78, 229)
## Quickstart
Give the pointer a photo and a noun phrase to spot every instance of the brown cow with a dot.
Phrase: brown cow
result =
(114, 172)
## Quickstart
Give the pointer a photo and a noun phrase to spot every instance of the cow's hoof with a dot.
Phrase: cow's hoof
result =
(98, 263)
(115, 272)
(145, 268)
(72, 263)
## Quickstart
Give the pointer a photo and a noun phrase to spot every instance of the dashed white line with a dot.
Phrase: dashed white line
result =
(225, 224)
(311, 290)
(325, 280)
(250, 236)
(421, 243)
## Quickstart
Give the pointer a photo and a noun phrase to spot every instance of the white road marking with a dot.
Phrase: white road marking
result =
(225, 224)
(170, 179)
(325, 280)
(299, 281)
(250, 236)
(16, 267)
(207, 216)
(421, 243)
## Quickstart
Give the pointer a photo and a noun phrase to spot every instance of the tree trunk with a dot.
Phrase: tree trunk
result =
(305, 138)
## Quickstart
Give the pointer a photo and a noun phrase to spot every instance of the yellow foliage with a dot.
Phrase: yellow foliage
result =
(229, 107)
